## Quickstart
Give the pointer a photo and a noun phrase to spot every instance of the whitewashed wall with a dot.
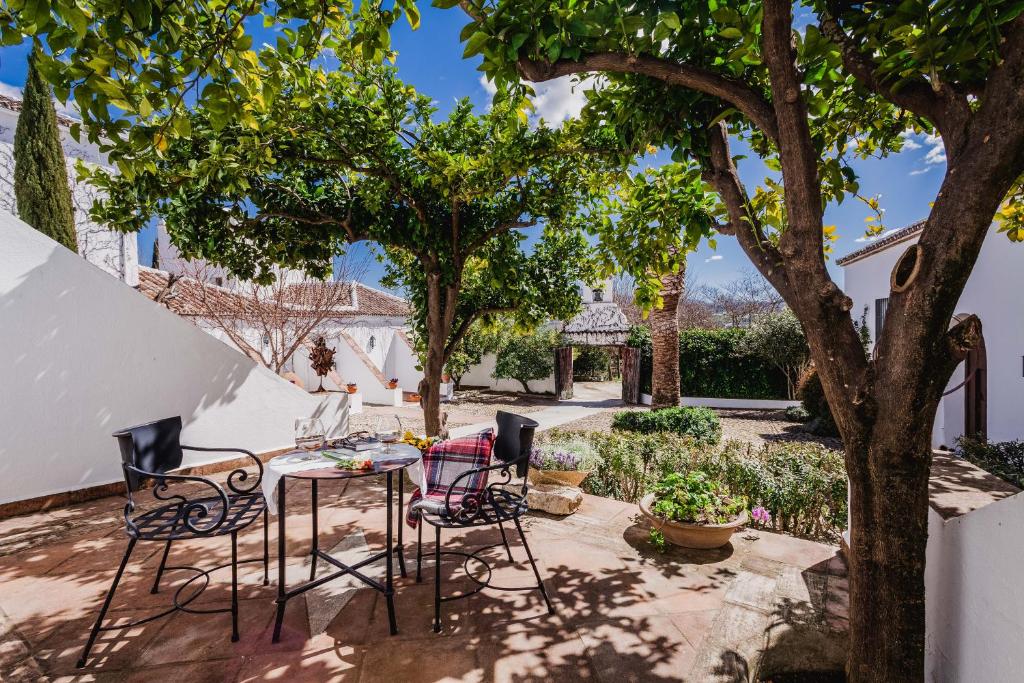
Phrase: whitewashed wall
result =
(974, 601)
(482, 375)
(81, 356)
(401, 362)
(114, 252)
(993, 294)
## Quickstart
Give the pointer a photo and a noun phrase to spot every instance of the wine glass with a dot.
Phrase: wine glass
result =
(309, 436)
(388, 430)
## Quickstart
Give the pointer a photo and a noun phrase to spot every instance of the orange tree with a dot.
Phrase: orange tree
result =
(808, 86)
(348, 156)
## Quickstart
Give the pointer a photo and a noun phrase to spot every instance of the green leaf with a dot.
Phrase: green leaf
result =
(475, 44)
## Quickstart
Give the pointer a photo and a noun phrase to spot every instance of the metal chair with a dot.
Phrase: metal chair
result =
(498, 502)
(149, 452)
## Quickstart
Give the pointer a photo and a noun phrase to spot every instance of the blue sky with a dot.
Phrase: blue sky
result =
(431, 60)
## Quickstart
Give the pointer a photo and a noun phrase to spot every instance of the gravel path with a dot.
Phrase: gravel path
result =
(469, 407)
(753, 426)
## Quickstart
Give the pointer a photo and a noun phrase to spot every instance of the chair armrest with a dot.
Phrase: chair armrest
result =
(471, 505)
(239, 475)
(193, 512)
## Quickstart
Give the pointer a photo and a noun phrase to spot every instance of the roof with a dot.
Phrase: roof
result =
(186, 298)
(598, 324)
(14, 104)
(883, 243)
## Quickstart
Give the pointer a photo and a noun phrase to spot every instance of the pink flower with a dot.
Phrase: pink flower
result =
(761, 515)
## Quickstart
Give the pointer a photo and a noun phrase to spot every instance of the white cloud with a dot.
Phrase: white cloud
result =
(908, 140)
(716, 257)
(936, 151)
(920, 171)
(556, 100)
(70, 109)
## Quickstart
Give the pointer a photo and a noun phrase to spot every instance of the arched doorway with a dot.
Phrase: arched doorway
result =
(975, 392)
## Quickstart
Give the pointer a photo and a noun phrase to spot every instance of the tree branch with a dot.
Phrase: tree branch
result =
(739, 95)
(947, 109)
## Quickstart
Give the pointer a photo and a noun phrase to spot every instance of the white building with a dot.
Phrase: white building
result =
(115, 252)
(368, 329)
(985, 392)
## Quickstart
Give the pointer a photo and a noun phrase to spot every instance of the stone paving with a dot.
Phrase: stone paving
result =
(624, 612)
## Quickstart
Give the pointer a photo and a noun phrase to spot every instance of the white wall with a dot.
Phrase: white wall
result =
(401, 362)
(481, 375)
(81, 356)
(993, 294)
(116, 253)
(974, 601)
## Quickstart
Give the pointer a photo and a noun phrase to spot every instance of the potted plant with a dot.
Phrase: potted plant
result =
(551, 464)
(352, 387)
(691, 511)
(393, 383)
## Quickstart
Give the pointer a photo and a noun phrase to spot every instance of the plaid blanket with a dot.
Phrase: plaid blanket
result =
(442, 465)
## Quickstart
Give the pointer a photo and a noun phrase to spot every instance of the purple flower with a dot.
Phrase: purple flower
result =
(761, 515)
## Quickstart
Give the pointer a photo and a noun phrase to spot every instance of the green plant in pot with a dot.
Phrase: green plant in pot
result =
(565, 463)
(693, 511)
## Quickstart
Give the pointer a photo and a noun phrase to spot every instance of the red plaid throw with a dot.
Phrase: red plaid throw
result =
(442, 465)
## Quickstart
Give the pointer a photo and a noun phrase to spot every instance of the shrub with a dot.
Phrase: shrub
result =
(1004, 459)
(778, 339)
(718, 363)
(592, 363)
(797, 414)
(812, 399)
(802, 485)
(701, 424)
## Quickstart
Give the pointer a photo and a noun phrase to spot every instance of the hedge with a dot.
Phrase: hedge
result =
(700, 424)
(713, 363)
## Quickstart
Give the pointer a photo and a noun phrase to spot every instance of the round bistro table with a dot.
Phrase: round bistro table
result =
(406, 455)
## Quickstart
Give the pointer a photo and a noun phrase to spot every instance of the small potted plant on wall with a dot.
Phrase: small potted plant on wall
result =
(393, 383)
(352, 387)
(558, 464)
(691, 511)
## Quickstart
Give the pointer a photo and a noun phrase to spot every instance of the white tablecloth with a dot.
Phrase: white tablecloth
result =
(290, 463)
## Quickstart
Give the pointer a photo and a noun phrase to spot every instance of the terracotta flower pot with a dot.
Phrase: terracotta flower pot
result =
(561, 477)
(392, 385)
(352, 388)
(689, 535)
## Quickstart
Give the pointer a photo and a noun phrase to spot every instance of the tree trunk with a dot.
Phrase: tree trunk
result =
(430, 386)
(526, 387)
(665, 342)
(887, 558)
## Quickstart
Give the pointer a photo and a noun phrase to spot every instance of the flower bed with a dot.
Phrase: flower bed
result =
(800, 486)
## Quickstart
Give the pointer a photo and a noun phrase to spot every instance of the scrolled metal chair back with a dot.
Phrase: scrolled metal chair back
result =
(148, 453)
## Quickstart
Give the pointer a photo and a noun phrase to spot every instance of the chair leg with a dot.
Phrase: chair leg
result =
(106, 603)
(234, 586)
(266, 550)
(160, 569)
(419, 551)
(437, 578)
(533, 563)
(504, 540)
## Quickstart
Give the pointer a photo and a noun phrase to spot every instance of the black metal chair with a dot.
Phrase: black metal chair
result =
(500, 501)
(149, 453)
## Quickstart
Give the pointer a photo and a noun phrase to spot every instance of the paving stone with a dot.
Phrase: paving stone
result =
(752, 590)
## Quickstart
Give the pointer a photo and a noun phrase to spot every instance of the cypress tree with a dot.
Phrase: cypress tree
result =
(40, 173)
(156, 253)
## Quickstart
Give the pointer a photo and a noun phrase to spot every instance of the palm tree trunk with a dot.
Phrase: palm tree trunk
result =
(665, 342)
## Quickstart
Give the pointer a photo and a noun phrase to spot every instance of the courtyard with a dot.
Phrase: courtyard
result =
(764, 603)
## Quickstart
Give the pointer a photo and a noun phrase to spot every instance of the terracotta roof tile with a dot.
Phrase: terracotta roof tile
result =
(892, 238)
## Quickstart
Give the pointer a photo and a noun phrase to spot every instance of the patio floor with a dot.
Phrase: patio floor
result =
(624, 612)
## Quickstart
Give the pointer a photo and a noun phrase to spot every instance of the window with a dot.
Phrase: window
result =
(370, 345)
(219, 281)
(598, 295)
(881, 306)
